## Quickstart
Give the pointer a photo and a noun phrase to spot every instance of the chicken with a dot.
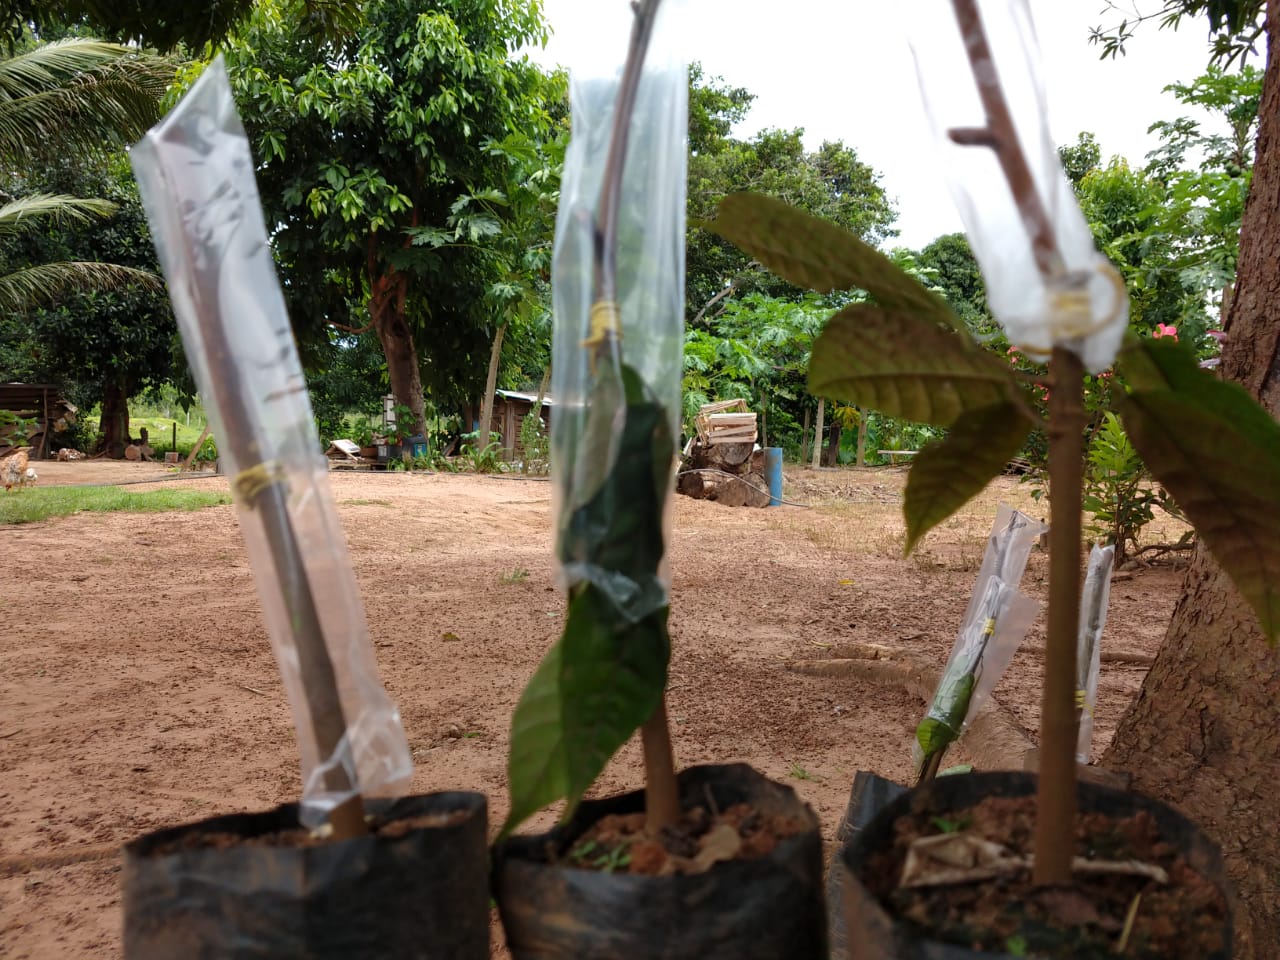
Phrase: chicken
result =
(13, 470)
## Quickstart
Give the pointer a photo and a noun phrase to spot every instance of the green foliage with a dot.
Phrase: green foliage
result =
(948, 473)
(948, 265)
(818, 255)
(78, 272)
(384, 159)
(600, 681)
(830, 182)
(1080, 158)
(909, 356)
(535, 445)
(907, 367)
(90, 343)
(1218, 454)
(1118, 493)
(488, 460)
(1234, 26)
(346, 372)
(77, 97)
(166, 24)
(606, 674)
(755, 349)
(42, 503)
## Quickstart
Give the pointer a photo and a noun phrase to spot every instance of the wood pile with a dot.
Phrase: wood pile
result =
(727, 421)
(721, 462)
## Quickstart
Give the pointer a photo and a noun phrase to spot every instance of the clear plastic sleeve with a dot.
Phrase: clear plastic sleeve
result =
(995, 621)
(195, 174)
(1093, 618)
(1084, 305)
(595, 390)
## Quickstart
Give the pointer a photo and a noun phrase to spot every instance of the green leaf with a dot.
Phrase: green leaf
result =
(947, 473)
(904, 366)
(599, 683)
(1218, 453)
(537, 764)
(606, 675)
(814, 253)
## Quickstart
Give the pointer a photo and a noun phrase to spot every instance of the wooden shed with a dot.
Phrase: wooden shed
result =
(42, 412)
(510, 407)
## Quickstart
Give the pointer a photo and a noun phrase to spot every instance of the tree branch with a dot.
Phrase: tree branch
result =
(354, 331)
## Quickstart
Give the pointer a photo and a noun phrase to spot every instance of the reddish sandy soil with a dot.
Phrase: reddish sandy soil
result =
(137, 689)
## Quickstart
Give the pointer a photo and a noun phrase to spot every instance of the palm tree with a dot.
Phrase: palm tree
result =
(41, 283)
(70, 97)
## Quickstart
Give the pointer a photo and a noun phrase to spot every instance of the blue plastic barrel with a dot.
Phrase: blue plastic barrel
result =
(773, 473)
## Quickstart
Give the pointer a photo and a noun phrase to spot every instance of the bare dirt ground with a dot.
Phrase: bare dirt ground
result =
(137, 689)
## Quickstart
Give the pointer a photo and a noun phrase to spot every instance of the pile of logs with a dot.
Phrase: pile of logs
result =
(721, 462)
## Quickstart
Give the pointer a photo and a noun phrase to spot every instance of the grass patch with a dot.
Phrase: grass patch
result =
(41, 503)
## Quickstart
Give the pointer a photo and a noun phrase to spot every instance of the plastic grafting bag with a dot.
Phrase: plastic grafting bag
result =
(617, 355)
(1080, 301)
(994, 623)
(195, 174)
(1094, 598)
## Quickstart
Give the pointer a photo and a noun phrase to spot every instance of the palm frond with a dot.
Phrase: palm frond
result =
(44, 284)
(18, 215)
(78, 94)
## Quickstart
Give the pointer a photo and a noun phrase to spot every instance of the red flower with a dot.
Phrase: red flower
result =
(1165, 330)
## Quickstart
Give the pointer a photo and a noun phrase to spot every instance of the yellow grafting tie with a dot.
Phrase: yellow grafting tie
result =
(1082, 703)
(249, 484)
(989, 628)
(1070, 306)
(605, 324)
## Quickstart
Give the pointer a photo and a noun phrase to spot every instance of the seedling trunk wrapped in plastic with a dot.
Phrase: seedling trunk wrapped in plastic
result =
(994, 624)
(195, 174)
(1094, 598)
(618, 291)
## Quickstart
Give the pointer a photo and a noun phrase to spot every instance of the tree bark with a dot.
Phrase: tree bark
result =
(115, 420)
(388, 288)
(804, 437)
(490, 384)
(1204, 731)
(862, 437)
(817, 435)
(832, 456)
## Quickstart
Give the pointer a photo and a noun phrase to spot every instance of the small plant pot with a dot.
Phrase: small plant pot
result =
(418, 888)
(873, 933)
(737, 910)
(868, 796)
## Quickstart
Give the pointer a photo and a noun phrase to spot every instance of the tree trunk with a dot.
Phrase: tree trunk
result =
(542, 387)
(804, 437)
(115, 420)
(1204, 731)
(386, 310)
(862, 437)
(832, 456)
(490, 384)
(817, 434)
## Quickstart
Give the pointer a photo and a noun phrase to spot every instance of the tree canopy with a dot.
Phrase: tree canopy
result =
(831, 182)
(368, 149)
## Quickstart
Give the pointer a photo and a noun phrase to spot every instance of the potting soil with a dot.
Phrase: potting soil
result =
(1181, 920)
(620, 843)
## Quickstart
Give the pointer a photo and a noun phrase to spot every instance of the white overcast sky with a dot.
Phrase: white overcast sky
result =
(841, 69)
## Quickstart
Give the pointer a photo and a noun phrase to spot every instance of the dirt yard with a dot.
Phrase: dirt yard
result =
(137, 689)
